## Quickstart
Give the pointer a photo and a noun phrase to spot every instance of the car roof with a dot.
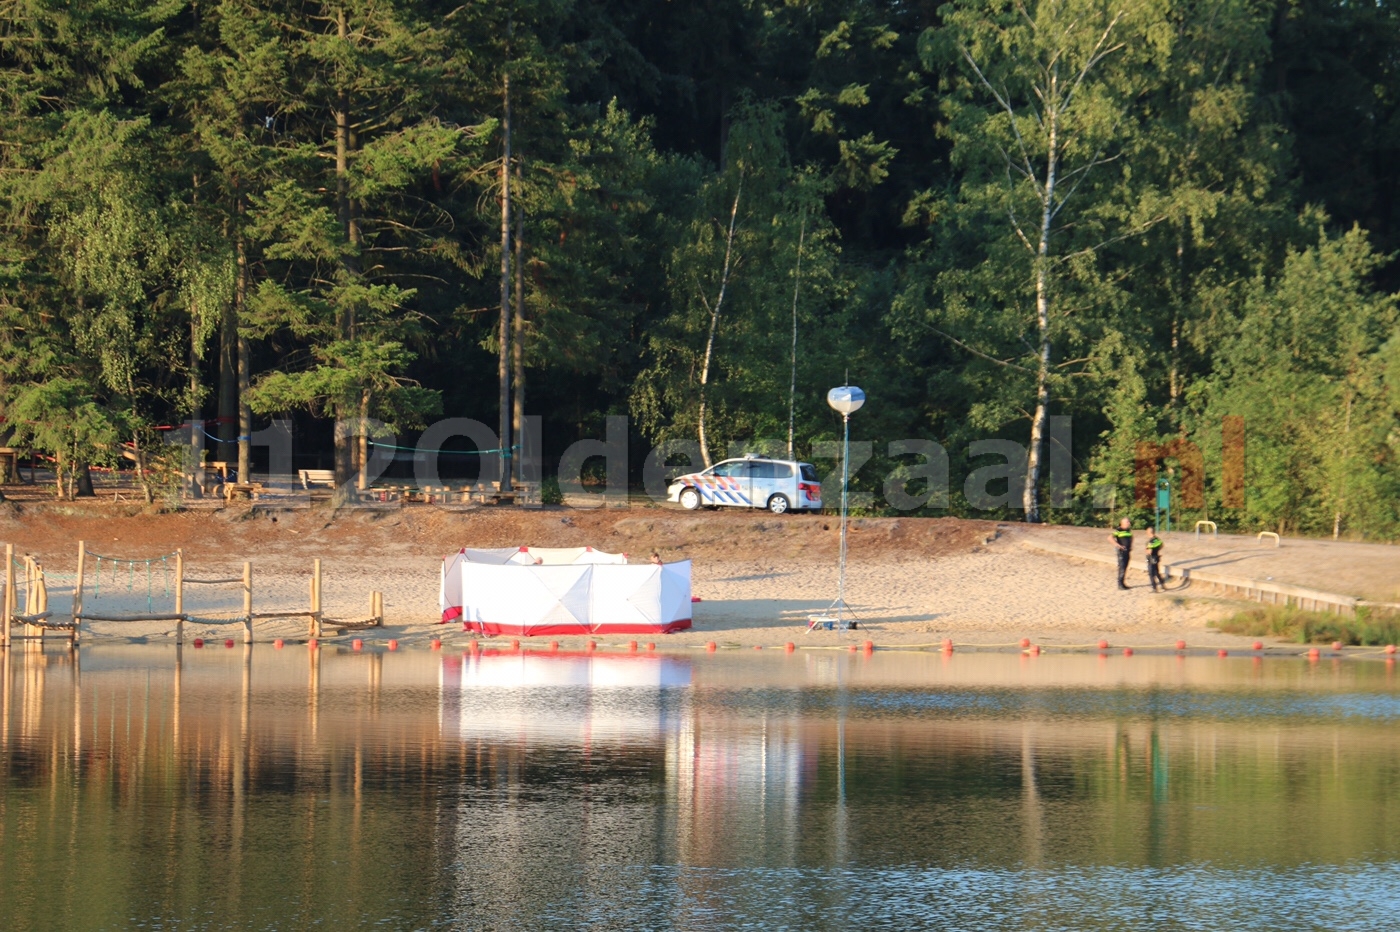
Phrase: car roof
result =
(751, 458)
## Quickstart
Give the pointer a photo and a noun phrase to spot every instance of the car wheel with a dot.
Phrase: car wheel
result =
(690, 499)
(778, 504)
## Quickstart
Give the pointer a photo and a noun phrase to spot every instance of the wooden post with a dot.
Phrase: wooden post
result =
(180, 596)
(316, 599)
(247, 603)
(9, 593)
(78, 589)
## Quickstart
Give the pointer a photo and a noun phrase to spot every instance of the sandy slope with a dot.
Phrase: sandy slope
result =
(911, 581)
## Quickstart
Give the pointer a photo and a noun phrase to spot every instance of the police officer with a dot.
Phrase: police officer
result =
(1123, 543)
(1154, 559)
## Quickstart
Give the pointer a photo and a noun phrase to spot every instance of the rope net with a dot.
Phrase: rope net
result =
(120, 586)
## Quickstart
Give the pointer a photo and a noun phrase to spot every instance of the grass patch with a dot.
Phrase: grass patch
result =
(1366, 628)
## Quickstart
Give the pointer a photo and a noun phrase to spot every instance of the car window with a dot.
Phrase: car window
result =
(781, 470)
(809, 473)
(762, 470)
(728, 469)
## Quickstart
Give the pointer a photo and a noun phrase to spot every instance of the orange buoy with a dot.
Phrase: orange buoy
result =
(1314, 653)
(277, 643)
(1103, 644)
(590, 647)
(312, 644)
(1390, 648)
(651, 646)
(947, 645)
(393, 645)
(1035, 650)
(554, 647)
(1336, 645)
(515, 643)
(1223, 652)
(435, 644)
(1025, 642)
(1180, 645)
(631, 647)
(1258, 645)
(1127, 652)
(228, 642)
(869, 646)
(199, 642)
(357, 644)
(710, 647)
(789, 647)
(758, 647)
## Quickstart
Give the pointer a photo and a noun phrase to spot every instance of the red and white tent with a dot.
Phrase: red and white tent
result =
(575, 590)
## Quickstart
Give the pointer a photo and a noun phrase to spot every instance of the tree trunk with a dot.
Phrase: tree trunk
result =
(194, 463)
(517, 346)
(363, 446)
(714, 320)
(345, 316)
(245, 414)
(796, 285)
(227, 427)
(1174, 377)
(503, 357)
(1031, 496)
(1346, 455)
(82, 482)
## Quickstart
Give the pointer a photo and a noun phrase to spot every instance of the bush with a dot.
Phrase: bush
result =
(1366, 627)
(550, 493)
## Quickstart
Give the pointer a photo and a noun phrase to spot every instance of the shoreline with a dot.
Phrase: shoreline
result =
(910, 581)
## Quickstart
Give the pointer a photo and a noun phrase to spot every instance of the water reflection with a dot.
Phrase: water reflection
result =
(256, 788)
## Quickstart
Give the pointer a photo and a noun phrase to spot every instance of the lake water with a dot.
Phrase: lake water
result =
(297, 789)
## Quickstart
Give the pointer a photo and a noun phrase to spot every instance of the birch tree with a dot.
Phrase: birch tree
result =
(1038, 120)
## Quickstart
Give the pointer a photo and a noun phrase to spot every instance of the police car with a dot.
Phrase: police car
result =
(751, 482)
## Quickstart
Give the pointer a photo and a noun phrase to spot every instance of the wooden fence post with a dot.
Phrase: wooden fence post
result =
(316, 599)
(78, 589)
(247, 603)
(180, 595)
(9, 593)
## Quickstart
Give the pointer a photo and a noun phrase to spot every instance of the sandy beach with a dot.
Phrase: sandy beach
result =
(911, 581)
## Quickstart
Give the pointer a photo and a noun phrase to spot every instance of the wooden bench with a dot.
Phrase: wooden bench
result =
(310, 477)
(234, 489)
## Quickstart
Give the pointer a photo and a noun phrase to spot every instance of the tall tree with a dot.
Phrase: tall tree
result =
(1040, 119)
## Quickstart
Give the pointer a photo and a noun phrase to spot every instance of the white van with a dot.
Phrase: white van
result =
(751, 482)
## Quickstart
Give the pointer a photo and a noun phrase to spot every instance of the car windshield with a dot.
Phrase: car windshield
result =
(809, 474)
(734, 468)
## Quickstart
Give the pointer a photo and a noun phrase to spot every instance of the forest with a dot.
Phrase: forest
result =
(1134, 219)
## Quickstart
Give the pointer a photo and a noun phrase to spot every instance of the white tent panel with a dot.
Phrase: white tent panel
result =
(675, 592)
(620, 595)
(503, 591)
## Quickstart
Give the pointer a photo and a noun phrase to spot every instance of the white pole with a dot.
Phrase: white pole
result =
(845, 481)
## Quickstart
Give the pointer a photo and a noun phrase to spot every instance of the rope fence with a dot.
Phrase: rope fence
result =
(159, 580)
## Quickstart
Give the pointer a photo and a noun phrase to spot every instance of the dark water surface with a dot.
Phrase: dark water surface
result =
(292, 789)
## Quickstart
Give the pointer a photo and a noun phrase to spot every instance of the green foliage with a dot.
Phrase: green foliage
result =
(185, 185)
(1308, 367)
(1366, 628)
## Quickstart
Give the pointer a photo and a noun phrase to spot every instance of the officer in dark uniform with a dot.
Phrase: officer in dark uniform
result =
(1123, 543)
(1154, 559)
